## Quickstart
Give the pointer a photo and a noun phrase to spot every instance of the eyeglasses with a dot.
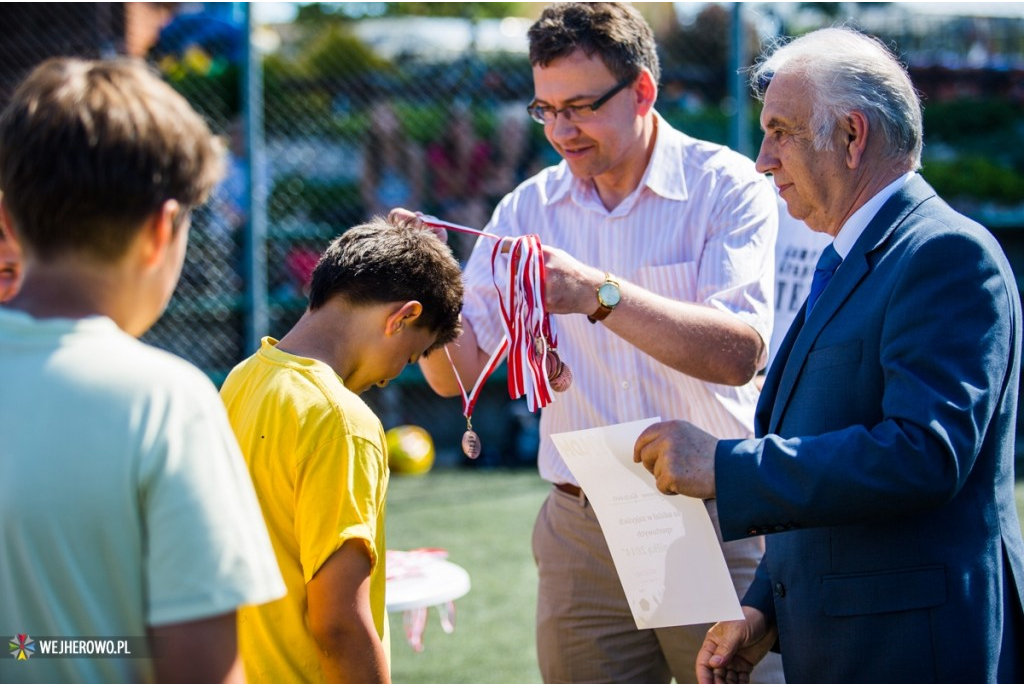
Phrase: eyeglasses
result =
(545, 114)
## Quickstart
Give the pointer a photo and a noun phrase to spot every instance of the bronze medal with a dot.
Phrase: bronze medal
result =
(559, 374)
(471, 444)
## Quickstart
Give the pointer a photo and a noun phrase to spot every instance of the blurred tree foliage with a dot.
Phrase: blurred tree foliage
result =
(974, 148)
(698, 53)
(971, 177)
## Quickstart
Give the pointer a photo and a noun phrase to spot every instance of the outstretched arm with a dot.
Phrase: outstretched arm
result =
(695, 339)
(467, 357)
(465, 353)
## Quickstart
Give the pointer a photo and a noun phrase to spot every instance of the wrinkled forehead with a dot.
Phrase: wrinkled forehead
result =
(789, 99)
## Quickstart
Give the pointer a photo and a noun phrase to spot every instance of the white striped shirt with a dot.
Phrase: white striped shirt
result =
(700, 227)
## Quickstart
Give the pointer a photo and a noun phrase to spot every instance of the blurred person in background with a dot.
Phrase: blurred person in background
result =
(516, 155)
(458, 166)
(658, 250)
(393, 173)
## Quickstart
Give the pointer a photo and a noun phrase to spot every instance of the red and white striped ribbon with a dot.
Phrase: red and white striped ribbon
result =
(529, 331)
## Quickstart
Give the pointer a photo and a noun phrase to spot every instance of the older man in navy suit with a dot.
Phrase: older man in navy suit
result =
(883, 474)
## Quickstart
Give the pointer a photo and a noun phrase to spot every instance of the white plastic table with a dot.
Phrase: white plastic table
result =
(418, 580)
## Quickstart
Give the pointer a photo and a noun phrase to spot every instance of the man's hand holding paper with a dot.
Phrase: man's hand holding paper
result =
(665, 550)
(681, 456)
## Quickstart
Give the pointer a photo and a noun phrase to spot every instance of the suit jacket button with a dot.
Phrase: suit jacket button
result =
(780, 590)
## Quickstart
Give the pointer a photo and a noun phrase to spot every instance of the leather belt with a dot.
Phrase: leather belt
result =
(569, 488)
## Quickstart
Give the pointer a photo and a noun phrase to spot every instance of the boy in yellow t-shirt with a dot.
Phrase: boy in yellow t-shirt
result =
(382, 295)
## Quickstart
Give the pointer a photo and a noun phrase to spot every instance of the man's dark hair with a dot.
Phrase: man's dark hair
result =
(90, 149)
(615, 31)
(382, 261)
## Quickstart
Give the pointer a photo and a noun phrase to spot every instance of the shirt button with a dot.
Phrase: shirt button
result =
(780, 590)
(625, 385)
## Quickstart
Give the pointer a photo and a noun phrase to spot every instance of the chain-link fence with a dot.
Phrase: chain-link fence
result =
(332, 119)
(349, 131)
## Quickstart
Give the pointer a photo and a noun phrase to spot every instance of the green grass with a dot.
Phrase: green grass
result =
(484, 520)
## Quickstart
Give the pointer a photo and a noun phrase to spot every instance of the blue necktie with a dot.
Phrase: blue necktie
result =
(828, 262)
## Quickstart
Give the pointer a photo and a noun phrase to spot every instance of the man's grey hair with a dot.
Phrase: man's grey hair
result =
(848, 71)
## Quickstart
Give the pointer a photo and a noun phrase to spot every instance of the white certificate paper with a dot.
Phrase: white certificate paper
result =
(664, 547)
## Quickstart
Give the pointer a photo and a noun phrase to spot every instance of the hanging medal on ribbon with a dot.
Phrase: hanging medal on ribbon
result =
(470, 440)
(534, 367)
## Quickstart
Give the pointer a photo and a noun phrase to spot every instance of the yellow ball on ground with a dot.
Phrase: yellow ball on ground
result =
(410, 450)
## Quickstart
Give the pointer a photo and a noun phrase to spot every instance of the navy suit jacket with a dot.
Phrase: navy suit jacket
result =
(883, 469)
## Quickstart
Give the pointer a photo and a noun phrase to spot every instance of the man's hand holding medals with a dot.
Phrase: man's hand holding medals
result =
(518, 266)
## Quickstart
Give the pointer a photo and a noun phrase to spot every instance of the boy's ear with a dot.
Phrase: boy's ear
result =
(159, 232)
(404, 315)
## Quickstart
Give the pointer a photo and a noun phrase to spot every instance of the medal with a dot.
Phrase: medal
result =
(471, 442)
(559, 374)
(534, 367)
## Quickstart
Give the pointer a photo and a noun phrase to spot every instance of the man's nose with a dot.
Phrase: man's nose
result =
(766, 161)
(563, 128)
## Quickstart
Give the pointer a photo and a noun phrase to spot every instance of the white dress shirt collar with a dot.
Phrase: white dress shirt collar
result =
(855, 225)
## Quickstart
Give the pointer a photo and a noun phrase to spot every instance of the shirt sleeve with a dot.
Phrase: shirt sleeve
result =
(737, 265)
(207, 549)
(339, 496)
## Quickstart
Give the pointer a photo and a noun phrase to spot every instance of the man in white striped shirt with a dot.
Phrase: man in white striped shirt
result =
(676, 236)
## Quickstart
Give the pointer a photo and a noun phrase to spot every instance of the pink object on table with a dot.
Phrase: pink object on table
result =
(419, 579)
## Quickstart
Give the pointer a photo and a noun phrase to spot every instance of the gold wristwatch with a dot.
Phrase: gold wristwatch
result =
(608, 298)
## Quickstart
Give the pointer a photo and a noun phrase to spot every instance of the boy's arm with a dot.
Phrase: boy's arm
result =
(467, 357)
(341, 619)
(203, 651)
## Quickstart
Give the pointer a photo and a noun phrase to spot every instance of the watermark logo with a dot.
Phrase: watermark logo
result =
(23, 647)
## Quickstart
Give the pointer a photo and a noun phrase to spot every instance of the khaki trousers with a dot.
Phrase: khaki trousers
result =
(585, 630)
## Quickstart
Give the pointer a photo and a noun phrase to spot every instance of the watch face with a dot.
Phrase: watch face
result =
(608, 294)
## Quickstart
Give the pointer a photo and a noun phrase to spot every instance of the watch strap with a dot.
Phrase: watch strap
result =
(603, 310)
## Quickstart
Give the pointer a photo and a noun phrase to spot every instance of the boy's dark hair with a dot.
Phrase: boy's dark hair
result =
(615, 31)
(90, 148)
(383, 261)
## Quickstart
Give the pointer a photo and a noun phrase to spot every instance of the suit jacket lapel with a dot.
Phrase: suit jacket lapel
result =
(847, 277)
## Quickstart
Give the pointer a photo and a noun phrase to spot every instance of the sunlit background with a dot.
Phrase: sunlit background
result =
(339, 111)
